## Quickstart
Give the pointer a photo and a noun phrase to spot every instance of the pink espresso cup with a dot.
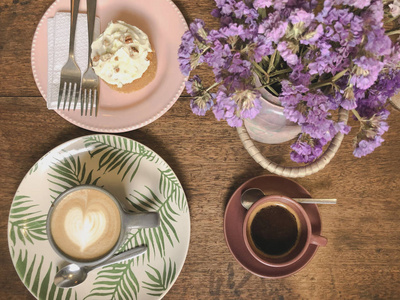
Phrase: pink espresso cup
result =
(299, 223)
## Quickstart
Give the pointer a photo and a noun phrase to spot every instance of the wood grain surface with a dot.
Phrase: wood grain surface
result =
(361, 260)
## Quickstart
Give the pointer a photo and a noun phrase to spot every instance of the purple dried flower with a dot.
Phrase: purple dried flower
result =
(366, 71)
(311, 37)
(225, 109)
(202, 100)
(262, 3)
(219, 57)
(287, 54)
(263, 47)
(336, 57)
(226, 6)
(299, 76)
(222, 103)
(301, 16)
(306, 149)
(232, 29)
(378, 42)
(194, 85)
(248, 102)
(200, 105)
(242, 10)
(198, 30)
(273, 28)
(238, 65)
(184, 53)
(365, 147)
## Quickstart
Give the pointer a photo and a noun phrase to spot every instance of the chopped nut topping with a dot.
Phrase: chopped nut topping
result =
(105, 57)
(132, 51)
(117, 70)
(116, 58)
(96, 58)
(128, 39)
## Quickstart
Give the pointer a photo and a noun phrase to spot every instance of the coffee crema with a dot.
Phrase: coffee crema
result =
(274, 230)
(85, 224)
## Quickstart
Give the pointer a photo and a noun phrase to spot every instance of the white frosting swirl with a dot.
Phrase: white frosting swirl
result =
(119, 54)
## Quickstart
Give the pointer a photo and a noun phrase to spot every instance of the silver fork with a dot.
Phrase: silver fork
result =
(70, 80)
(90, 81)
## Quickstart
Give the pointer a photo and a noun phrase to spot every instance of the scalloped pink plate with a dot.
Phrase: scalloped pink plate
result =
(120, 112)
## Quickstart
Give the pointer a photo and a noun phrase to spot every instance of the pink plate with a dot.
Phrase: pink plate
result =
(120, 112)
(235, 214)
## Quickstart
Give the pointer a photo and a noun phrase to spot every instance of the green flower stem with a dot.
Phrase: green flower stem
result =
(269, 87)
(258, 67)
(392, 32)
(272, 61)
(284, 71)
(205, 49)
(357, 115)
(214, 85)
(391, 20)
(262, 12)
(321, 84)
(330, 81)
(339, 75)
(272, 90)
(262, 87)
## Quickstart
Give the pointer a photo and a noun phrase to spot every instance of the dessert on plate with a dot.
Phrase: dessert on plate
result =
(123, 57)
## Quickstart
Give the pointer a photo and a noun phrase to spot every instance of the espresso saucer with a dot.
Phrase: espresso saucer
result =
(235, 214)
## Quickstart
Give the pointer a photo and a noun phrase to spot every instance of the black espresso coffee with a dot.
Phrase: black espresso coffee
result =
(274, 230)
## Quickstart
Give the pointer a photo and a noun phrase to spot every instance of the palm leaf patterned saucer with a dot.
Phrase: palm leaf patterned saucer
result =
(138, 177)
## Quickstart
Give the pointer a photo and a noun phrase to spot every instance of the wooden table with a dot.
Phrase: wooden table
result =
(362, 259)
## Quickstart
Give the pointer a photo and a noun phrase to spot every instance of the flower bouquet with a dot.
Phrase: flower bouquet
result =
(317, 57)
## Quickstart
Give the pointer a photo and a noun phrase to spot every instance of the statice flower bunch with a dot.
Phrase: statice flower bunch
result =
(316, 56)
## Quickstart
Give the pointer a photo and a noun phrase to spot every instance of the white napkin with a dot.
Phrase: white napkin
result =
(58, 47)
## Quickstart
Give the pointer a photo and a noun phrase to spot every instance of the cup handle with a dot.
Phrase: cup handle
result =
(142, 220)
(318, 240)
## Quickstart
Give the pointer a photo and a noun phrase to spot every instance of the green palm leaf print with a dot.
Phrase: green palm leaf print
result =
(159, 282)
(154, 238)
(35, 167)
(170, 187)
(117, 281)
(41, 285)
(131, 171)
(117, 153)
(26, 224)
(69, 172)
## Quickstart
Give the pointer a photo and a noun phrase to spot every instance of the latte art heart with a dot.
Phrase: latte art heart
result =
(84, 227)
(86, 224)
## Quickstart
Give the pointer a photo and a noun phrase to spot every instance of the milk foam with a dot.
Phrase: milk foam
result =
(86, 224)
(84, 229)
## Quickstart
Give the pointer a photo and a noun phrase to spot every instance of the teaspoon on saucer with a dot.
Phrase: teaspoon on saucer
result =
(72, 274)
(252, 195)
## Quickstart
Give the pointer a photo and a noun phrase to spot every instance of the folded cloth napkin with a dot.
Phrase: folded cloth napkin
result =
(58, 47)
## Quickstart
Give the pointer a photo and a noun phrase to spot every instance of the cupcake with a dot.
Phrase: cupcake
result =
(123, 57)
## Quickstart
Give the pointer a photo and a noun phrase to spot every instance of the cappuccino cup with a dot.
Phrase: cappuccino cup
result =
(277, 231)
(86, 224)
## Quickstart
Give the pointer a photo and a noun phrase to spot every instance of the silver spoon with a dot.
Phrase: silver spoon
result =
(72, 274)
(252, 195)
